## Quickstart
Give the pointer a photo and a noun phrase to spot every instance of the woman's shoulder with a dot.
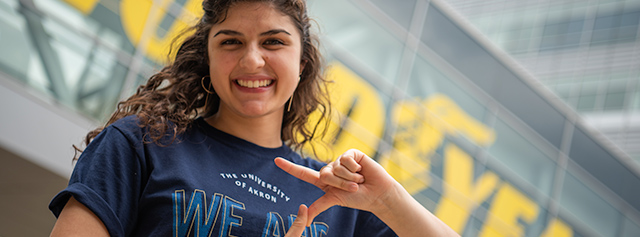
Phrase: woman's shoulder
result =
(131, 121)
(136, 124)
(128, 126)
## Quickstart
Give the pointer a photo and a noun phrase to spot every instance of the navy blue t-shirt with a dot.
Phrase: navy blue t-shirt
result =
(207, 183)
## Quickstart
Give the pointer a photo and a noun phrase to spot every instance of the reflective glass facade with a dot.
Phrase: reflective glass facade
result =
(469, 134)
(583, 51)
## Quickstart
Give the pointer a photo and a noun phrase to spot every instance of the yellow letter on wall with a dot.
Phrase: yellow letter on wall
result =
(461, 194)
(557, 228)
(357, 115)
(421, 126)
(509, 206)
(458, 121)
(138, 19)
(415, 140)
(85, 6)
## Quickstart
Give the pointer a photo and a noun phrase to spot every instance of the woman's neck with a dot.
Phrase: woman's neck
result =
(263, 131)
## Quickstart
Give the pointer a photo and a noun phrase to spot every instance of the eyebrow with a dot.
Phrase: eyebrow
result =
(227, 32)
(236, 33)
(275, 32)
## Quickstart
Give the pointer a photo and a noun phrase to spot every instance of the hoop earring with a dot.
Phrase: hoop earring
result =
(206, 99)
(204, 87)
(291, 98)
(290, 102)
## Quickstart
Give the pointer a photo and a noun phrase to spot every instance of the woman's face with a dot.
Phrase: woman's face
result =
(254, 60)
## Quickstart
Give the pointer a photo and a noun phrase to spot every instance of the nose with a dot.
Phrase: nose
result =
(252, 58)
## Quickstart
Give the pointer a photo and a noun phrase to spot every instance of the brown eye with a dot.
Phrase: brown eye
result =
(230, 42)
(273, 42)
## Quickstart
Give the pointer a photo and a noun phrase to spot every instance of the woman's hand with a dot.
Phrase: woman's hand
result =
(353, 180)
(299, 225)
(357, 181)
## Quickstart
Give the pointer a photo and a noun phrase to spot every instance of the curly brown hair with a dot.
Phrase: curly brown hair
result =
(173, 98)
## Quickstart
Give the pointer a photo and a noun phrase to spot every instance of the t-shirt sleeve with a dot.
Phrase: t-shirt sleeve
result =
(107, 179)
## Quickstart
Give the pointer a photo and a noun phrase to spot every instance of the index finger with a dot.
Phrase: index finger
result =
(303, 173)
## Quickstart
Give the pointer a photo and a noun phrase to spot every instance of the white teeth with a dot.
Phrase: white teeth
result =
(254, 84)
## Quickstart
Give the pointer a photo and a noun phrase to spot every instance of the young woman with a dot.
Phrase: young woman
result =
(159, 168)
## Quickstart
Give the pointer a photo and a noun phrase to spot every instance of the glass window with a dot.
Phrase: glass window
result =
(15, 44)
(518, 153)
(354, 32)
(71, 57)
(615, 28)
(428, 198)
(630, 228)
(91, 71)
(562, 34)
(72, 49)
(635, 98)
(627, 34)
(400, 11)
(588, 97)
(460, 50)
(527, 104)
(615, 95)
(36, 75)
(586, 102)
(511, 34)
(169, 19)
(100, 84)
(614, 100)
(564, 89)
(65, 13)
(427, 80)
(475, 224)
(592, 157)
(630, 19)
(464, 53)
(541, 223)
(606, 22)
(588, 207)
(103, 17)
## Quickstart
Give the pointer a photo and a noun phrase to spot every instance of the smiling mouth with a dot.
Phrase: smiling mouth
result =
(254, 83)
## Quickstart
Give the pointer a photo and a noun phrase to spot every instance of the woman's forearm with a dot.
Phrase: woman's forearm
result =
(77, 220)
(407, 217)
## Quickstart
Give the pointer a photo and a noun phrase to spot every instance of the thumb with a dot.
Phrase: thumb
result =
(298, 226)
(320, 205)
